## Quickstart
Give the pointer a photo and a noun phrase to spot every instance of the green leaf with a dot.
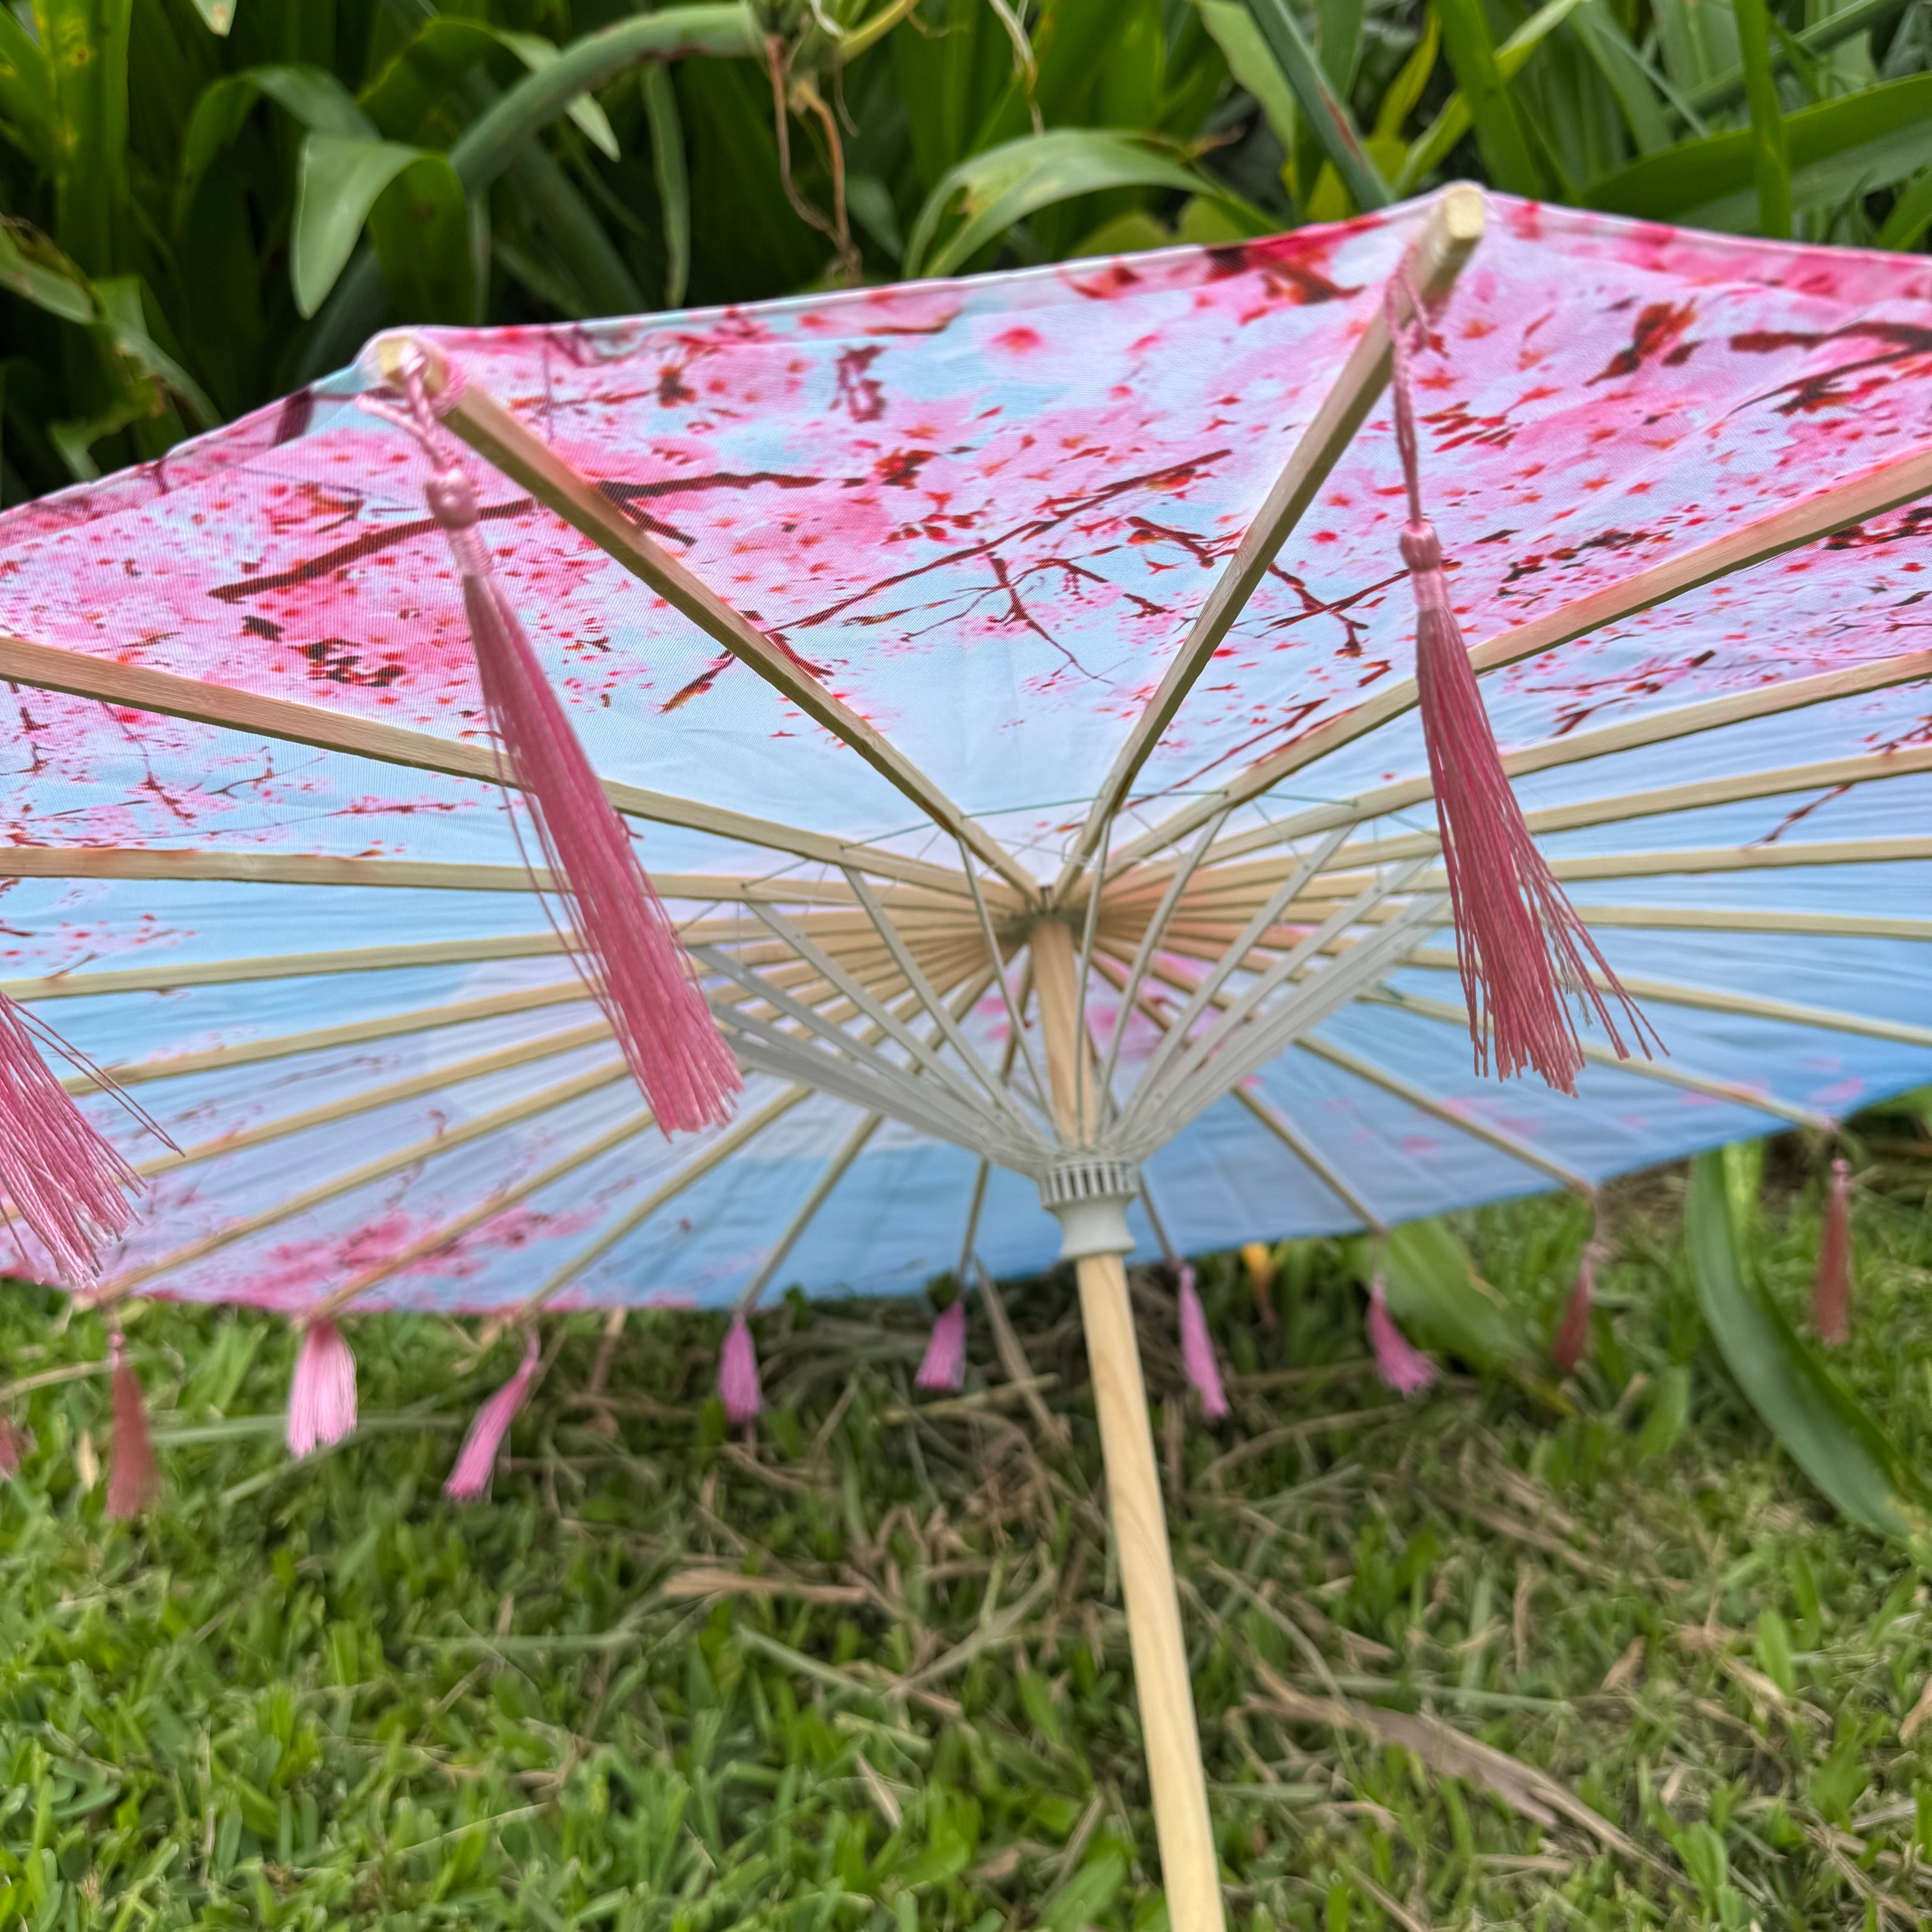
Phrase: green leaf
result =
(1911, 215)
(983, 196)
(538, 55)
(337, 183)
(1626, 72)
(26, 88)
(311, 95)
(1823, 1426)
(1328, 115)
(1819, 37)
(1838, 149)
(1248, 61)
(1500, 135)
(1770, 162)
(1431, 1281)
(33, 269)
(420, 227)
(89, 40)
(1432, 146)
(674, 180)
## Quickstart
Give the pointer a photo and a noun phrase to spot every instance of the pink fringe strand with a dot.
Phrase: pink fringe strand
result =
(1403, 1366)
(64, 1181)
(1197, 1351)
(1831, 1291)
(133, 1479)
(12, 1447)
(738, 1375)
(321, 1396)
(476, 1462)
(1520, 947)
(944, 1367)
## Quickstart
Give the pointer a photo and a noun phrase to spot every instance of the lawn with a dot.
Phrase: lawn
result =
(1501, 1655)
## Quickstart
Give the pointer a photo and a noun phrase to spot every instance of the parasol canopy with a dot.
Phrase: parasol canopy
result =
(258, 862)
(1012, 684)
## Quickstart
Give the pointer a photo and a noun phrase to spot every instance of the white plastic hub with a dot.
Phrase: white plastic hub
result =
(1089, 1194)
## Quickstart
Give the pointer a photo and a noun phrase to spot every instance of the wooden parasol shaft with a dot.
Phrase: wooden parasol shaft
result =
(1161, 1682)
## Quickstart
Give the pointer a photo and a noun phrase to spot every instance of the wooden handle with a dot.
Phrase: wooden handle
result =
(1166, 1697)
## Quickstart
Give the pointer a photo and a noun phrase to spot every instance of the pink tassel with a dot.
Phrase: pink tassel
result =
(321, 1396)
(639, 971)
(1831, 1292)
(1519, 946)
(14, 1443)
(1572, 1339)
(738, 1375)
(1197, 1351)
(476, 1463)
(1403, 1366)
(133, 1481)
(944, 1366)
(63, 1179)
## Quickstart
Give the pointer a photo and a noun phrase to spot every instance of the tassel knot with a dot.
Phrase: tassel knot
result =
(1421, 547)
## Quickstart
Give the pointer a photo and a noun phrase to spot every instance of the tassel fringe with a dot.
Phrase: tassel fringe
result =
(321, 1396)
(1197, 1351)
(133, 1479)
(1520, 947)
(637, 968)
(14, 1441)
(1403, 1366)
(63, 1178)
(1831, 1291)
(738, 1386)
(1571, 1341)
(476, 1461)
(944, 1367)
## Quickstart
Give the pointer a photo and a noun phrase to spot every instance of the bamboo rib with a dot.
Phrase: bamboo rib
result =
(728, 1144)
(1706, 919)
(1433, 260)
(48, 667)
(453, 1231)
(821, 1191)
(1427, 1103)
(496, 435)
(721, 1149)
(320, 1039)
(165, 978)
(371, 1100)
(1828, 774)
(1117, 972)
(311, 869)
(461, 1135)
(1669, 1073)
(1769, 701)
(1873, 493)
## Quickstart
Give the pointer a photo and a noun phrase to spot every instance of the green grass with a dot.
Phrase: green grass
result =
(319, 1695)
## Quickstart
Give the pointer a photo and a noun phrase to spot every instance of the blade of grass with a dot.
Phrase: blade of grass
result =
(1500, 136)
(1327, 114)
(1771, 159)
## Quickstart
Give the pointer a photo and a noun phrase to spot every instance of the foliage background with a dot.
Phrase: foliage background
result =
(202, 206)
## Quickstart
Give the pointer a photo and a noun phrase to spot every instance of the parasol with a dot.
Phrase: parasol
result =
(1009, 683)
